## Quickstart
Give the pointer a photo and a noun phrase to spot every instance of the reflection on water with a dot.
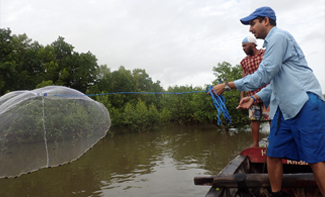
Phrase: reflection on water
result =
(158, 164)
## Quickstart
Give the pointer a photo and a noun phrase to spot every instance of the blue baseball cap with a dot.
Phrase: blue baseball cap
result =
(262, 11)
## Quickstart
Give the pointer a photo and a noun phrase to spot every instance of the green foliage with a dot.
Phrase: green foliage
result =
(165, 116)
(140, 118)
(9, 61)
(153, 117)
(28, 65)
(25, 65)
(44, 84)
(204, 111)
(179, 105)
(225, 72)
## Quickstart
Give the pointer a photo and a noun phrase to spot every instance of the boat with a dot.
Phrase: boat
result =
(246, 175)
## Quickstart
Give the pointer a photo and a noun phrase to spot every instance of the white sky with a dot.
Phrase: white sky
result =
(177, 42)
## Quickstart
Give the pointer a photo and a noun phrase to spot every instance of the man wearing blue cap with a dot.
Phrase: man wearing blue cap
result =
(297, 106)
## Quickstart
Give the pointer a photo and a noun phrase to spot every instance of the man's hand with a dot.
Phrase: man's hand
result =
(220, 88)
(245, 103)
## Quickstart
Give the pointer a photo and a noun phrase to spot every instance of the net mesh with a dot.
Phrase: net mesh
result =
(47, 127)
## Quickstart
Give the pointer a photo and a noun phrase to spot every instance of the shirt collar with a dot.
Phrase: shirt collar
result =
(271, 32)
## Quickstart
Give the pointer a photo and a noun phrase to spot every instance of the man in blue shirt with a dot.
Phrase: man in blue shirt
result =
(297, 106)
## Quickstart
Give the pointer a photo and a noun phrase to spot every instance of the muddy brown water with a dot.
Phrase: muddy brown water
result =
(160, 164)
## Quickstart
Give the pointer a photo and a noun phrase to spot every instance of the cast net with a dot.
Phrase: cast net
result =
(47, 127)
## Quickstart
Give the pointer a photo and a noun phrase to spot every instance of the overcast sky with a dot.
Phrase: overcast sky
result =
(177, 42)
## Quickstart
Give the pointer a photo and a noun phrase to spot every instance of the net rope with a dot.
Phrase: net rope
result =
(218, 101)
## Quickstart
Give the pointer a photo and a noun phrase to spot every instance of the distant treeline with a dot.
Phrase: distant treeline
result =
(27, 65)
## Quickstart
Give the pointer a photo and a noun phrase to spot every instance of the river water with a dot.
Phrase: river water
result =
(159, 164)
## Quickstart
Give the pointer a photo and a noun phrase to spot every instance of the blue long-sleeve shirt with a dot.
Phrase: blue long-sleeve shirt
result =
(284, 66)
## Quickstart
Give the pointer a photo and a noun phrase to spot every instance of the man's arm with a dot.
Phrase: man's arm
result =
(269, 67)
(220, 88)
(242, 93)
(246, 102)
(265, 95)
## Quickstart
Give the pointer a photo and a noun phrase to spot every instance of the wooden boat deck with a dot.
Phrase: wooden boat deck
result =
(246, 175)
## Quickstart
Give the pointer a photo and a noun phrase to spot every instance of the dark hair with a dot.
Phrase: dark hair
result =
(261, 18)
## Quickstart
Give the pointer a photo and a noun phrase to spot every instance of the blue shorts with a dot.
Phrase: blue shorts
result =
(301, 137)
